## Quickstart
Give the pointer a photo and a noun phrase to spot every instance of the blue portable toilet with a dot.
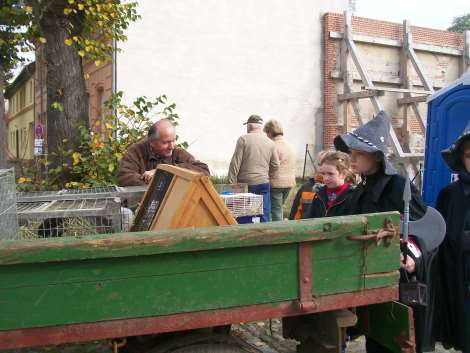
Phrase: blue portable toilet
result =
(448, 115)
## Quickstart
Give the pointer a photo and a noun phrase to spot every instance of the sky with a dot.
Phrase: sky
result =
(423, 13)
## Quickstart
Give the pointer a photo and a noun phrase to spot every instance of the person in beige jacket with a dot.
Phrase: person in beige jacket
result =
(282, 179)
(254, 159)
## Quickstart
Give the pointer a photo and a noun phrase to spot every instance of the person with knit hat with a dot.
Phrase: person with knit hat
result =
(453, 202)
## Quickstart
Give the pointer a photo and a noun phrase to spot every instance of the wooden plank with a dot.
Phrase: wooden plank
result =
(70, 292)
(347, 79)
(183, 240)
(378, 106)
(405, 79)
(419, 70)
(396, 90)
(336, 74)
(57, 289)
(406, 51)
(173, 323)
(386, 42)
(360, 95)
(359, 260)
(54, 273)
(412, 100)
(180, 206)
(143, 297)
(235, 188)
(466, 52)
(390, 324)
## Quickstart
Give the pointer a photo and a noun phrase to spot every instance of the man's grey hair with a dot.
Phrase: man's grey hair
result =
(154, 132)
(253, 126)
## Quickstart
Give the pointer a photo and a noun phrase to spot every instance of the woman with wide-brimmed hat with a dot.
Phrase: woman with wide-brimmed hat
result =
(454, 253)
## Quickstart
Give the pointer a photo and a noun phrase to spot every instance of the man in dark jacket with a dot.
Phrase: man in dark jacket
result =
(381, 190)
(453, 202)
(141, 159)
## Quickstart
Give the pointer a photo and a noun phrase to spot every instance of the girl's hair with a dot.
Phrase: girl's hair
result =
(340, 160)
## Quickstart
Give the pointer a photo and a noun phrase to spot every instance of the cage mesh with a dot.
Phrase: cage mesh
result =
(70, 218)
(8, 216)
(245, 204)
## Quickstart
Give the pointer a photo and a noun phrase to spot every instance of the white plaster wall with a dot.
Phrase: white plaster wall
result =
(222, 60)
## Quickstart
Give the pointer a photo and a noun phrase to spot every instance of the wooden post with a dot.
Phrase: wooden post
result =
(466, 52)
(347, 76)
(405, 81)
(368, 82)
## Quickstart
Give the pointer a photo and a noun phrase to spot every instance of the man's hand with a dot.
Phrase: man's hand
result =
(410, 263)
(148, 175)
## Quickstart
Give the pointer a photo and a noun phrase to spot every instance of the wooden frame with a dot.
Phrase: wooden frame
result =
(402, 152)
(190, 200)
(152, 282)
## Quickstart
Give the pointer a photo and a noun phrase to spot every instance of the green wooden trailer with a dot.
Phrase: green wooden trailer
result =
(61, 290)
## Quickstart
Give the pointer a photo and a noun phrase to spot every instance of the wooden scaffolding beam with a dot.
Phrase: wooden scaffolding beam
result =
(367, 81)
(466, 52)
(360, 95)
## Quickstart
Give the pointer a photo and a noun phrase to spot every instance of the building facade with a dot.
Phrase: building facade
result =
(99, 87)
(20, 115)
(221, 61)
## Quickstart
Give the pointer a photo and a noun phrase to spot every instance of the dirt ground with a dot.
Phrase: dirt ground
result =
(263, 336)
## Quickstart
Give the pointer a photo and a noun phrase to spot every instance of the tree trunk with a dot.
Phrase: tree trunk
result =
(64, 76)
(3, 124)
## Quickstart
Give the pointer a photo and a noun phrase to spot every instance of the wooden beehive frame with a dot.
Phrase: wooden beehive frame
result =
(189, 201)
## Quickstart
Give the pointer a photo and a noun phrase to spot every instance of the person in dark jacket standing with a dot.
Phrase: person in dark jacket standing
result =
(453, 202)
(381, 190)
(338, 180)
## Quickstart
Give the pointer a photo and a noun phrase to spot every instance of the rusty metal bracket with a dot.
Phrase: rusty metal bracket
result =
(385, 234)
(306, 302)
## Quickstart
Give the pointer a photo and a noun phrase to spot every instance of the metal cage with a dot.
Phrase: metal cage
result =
(8, 216)
(69, 218)
(245, 204)
(133, 194)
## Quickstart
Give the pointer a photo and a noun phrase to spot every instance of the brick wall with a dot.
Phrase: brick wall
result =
(374, 28)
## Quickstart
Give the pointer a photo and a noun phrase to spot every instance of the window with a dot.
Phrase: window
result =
(100, 104)
(31, 91)
(17, 103)
(22, 97)
(17, 143)
(30, 144)
(90, 111)
(12, 141)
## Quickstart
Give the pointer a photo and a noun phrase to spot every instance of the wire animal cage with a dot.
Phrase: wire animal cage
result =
(131, 193)
(8, 217)
(69, 218)
(245, 204)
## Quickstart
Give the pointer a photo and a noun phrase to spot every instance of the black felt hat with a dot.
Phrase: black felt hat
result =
(372, 137)
(453, 154)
